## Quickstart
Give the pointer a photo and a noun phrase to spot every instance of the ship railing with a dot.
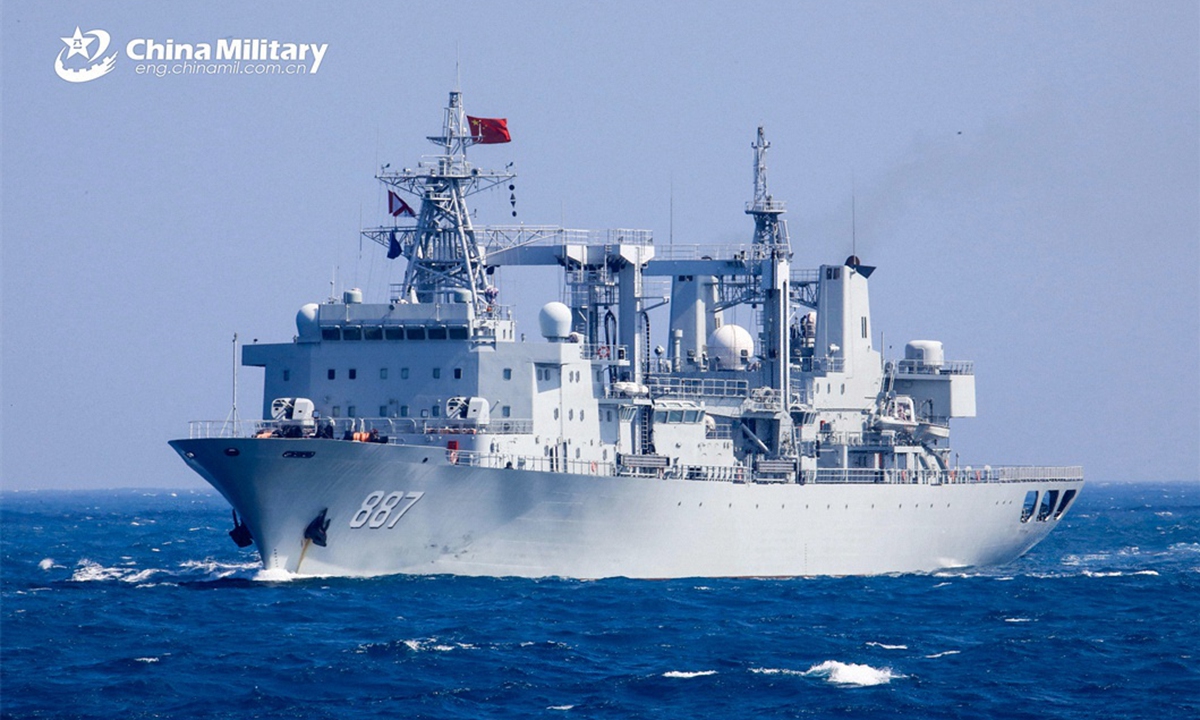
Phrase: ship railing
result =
(696, 252)
(822, 364)
(764, 399)
(500, 237)
(920, 367)
(768, 471)
(530, 462)
(603, 351)
(801, 276)
(339, 428)
(672, 385)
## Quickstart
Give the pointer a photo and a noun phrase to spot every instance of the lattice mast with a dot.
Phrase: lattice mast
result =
(443, 258)
(773, 250)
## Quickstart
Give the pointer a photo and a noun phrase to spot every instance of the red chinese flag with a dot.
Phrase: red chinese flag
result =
(488, 131)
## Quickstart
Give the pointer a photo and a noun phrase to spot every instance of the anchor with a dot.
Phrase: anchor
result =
(316, 529)
(240, 533)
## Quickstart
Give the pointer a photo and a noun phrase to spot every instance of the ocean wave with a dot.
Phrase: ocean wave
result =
(429, 644)
(840, 673)
(884, 646)
(943, 654)
(273, 575)
(1117, 573)
(685, 674)
(776, 671)
(87, 570)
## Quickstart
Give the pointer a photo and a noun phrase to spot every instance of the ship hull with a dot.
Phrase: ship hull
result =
(411, 509)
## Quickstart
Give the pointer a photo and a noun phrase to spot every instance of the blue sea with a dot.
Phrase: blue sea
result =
(135, 604)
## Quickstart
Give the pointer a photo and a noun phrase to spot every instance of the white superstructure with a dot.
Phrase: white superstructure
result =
(426, 434)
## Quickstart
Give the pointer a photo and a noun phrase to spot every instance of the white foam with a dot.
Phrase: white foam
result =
(88, 571)
(560, 707)
(219, 570)
(140, 576)
(47, 564)
(887, 647)
(432, 644)
(776, 671)
(840, 673)
(1017, 620)
(273, 575)
(147, 660)
(943, 654)
(682, 674)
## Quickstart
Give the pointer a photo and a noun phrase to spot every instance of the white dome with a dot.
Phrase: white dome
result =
(555, 321)
(306, 323)
(732, 346)
(928, 353)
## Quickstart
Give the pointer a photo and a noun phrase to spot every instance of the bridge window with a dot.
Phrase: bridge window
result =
(383, 411)
(372, 333)
(403, 373)
(351, 411)
(508, 373)
(458, 373)
(331, 333)
(437, 373)
(506, 411)
(332, 374)
(415, 333)
(403, 411)
(352, 333)
(437, 333)
(458, 333)
(337, 411)
(353, 374)
(383, 373)
(394, 333)
(287, 375)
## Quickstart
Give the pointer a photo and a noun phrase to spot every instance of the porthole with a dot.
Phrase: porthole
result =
(232, 452)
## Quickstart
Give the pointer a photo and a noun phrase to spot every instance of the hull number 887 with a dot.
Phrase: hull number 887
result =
(381, 509)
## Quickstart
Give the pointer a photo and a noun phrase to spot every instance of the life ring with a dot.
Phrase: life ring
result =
(594, 467)
(977, 476)
(452, 455)
(602, 352)
(953, 475)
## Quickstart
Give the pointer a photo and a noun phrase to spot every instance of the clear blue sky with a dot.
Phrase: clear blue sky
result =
(1027, 179)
